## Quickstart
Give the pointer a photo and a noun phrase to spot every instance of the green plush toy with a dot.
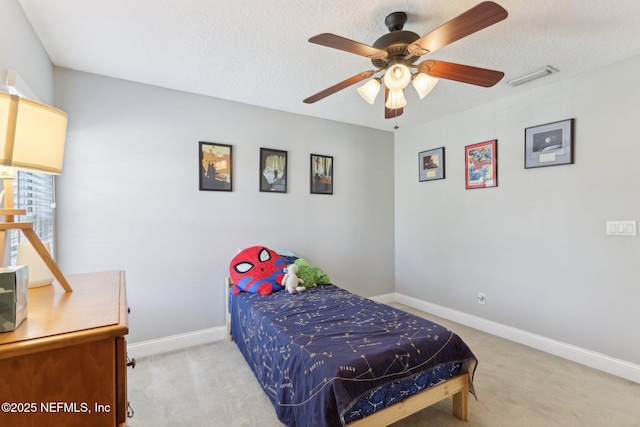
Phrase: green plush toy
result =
(311, 275)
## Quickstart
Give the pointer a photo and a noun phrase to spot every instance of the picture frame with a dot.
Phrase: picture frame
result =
(216, 166)
(431, 165)
(273, 170)
(550, 144)
(321, 174)
(481, 165)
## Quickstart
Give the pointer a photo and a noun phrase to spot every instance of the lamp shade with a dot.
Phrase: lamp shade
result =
(423, 84)
(395, 100)
(397, 77)
(32, 135)
(369, 90)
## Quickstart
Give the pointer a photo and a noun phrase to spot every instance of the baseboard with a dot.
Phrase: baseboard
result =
(176, 342)
(611, 365)
(385, 299)
(203, 336)
(620, 368)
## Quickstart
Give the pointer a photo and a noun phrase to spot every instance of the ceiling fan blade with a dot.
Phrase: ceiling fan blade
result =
(475, 19)
(392, 114)
(337, 87)
(461, 73)
(388, 112)
(337, 42)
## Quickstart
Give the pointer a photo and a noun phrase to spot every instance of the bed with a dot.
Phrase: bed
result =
(327, 357)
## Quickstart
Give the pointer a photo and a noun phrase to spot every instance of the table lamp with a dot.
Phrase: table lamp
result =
(32, 137)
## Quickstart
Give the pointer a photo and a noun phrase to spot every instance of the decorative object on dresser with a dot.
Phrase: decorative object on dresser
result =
(32, 137)
(13, 297)
(66, 365)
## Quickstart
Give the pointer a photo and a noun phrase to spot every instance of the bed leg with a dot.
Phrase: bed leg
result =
(229, 338)
(461, 404)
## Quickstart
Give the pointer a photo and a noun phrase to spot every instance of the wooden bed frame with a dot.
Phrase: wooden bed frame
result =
(457, 386)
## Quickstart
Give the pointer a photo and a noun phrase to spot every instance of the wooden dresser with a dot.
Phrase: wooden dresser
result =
(66, 364)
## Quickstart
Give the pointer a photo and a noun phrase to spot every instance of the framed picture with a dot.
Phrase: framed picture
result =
(216, 162)
(273, 170)
(548, 145)
(321, 174)
(481, 165)
(431, 164)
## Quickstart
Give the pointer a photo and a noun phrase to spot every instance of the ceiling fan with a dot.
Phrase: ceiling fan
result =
(395, 54)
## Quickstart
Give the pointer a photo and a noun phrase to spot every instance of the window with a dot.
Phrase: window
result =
(34, 192)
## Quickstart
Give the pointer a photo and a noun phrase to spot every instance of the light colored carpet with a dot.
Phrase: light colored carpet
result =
(211, 385)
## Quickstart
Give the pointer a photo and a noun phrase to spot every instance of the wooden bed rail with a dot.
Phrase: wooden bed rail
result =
(457, 386)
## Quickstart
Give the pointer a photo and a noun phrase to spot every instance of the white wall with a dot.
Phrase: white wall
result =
(535, 245)
(21, 50)
(128, 198)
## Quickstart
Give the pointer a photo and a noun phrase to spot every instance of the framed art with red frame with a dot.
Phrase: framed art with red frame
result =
(481, 165)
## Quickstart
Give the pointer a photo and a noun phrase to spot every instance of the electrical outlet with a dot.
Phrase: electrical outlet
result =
(481, 298)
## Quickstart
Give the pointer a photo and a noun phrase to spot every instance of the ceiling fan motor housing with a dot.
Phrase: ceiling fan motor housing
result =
(395, 44)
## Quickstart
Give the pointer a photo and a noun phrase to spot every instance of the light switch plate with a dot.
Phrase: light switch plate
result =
(622, 228)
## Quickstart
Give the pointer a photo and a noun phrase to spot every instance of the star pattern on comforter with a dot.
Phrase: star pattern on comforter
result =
(318, 352)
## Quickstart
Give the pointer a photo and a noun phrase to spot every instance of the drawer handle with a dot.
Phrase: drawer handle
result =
(131, 362)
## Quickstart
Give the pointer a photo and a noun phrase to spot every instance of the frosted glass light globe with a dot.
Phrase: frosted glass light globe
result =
(369, 90)
(423, 84)
(395, 99)
(397, 77)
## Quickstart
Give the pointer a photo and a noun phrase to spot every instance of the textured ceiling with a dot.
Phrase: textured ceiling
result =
(256, 52)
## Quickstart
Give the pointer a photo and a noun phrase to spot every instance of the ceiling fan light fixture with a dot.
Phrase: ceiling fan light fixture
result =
(423, 84)
(394, 55)
(395, 99)
(397, 77)
(370, 89)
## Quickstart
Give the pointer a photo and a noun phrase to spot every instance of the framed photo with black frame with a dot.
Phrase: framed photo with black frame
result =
(273, 171)
(321, 179)
(549, 145)
(431, 164)
(481, 165)
(216, 163)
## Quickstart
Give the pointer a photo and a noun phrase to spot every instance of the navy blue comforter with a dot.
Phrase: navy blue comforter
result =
(326, 356)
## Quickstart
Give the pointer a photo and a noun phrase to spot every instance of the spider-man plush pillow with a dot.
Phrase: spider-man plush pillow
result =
(257, 270)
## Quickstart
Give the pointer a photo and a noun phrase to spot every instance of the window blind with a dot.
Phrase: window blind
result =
(34, 192)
